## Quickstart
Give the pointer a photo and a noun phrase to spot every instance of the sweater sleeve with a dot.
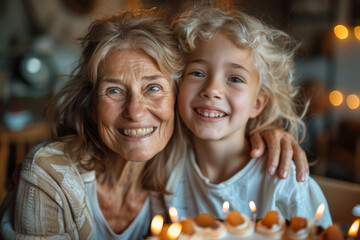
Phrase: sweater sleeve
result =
(50, 201)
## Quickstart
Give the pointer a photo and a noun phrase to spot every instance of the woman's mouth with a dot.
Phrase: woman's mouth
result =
(137, 132)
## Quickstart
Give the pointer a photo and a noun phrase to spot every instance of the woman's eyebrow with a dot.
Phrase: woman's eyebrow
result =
(111, 80)
(152, 77)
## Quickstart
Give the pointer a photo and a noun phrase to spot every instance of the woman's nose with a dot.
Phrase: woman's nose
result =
(135, 108)
(212, 90)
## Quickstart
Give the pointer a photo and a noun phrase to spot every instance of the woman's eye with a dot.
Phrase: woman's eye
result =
(236, 79)
(153, 88)
(197, 74)
(114, 93)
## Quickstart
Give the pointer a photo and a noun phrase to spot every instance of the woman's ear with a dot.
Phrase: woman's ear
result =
(261, 101)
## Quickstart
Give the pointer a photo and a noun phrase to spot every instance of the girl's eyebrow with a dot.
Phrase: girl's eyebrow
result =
(236, 65)
(231, 64)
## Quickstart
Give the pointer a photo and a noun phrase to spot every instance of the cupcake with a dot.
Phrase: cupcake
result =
(239, 224)
(208, 227)
(188, 231)
(271, 226)
(333, 232)
(298, 228)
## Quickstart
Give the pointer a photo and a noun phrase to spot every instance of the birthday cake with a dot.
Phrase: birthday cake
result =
(239, 226)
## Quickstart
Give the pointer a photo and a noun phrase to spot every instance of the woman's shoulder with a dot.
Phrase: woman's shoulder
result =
(49, 159)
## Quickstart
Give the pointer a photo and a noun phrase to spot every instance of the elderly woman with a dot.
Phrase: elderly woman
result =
(109, 123)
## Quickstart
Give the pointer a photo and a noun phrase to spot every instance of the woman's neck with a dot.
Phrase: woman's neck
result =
(120, 193)
(121, 174)
(221, 159)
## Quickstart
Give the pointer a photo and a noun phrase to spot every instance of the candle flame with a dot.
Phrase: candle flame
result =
(174, 231)
(226, 207)
(252, 206)
(353, 231)
(157, 224)
(173, 214)
(320, 211)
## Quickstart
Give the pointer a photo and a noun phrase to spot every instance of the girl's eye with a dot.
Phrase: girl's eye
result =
(197, 74)
(236, 79)
(154, 88)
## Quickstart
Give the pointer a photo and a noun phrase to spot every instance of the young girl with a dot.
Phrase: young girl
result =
(238, 79)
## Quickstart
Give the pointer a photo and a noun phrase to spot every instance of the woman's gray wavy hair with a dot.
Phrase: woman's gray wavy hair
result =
(71, 111)
(272, 51)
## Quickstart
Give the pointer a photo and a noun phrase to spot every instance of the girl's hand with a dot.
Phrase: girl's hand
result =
(282, 148)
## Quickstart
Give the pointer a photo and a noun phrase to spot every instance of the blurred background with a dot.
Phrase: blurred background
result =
(39, 49)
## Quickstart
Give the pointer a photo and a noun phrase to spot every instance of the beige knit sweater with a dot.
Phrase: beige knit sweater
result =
(50, 201)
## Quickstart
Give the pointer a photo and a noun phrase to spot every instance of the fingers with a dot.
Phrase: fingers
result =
(286, 157)
(272, 140)
(282, 149)
(301, 162)
(257, 145)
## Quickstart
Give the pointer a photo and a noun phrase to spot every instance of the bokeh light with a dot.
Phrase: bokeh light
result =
(357, 32)
(353, 101)
(336, 98)
(341, 31)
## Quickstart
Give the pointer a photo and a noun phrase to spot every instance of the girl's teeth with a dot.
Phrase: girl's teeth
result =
(140, 132)
(211, 115)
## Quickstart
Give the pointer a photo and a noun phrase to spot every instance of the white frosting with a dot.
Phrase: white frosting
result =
(302, 233)
(209, 232)
(244, 224)
(274, 228)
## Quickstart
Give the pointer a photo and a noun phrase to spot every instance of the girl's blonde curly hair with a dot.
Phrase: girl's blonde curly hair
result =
(272, 52)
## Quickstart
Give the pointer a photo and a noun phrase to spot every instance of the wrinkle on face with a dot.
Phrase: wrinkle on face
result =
(146, 99)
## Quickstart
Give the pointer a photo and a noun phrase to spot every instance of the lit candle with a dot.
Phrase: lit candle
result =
(319, 212)
(174, 231)
(252, 207)
(157, 224)
(225, 209)
(353, 231)
(173, 214)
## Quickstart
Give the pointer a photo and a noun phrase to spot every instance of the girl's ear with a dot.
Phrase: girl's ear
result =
(261, 101)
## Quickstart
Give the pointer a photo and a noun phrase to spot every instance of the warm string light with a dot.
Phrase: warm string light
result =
(341, 32)
(336, 98)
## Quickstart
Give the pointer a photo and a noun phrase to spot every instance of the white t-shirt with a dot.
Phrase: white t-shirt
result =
(194, 194)
(136, 230)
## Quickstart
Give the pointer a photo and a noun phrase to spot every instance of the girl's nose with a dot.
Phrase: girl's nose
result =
(212, 90)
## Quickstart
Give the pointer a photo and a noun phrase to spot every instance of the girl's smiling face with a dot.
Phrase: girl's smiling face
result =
(135, 105)
(219, 90)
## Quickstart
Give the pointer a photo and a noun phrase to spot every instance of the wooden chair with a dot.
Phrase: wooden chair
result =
(341, 196)
(23, 141)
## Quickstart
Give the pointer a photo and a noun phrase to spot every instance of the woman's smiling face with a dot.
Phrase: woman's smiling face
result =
(135, 111)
